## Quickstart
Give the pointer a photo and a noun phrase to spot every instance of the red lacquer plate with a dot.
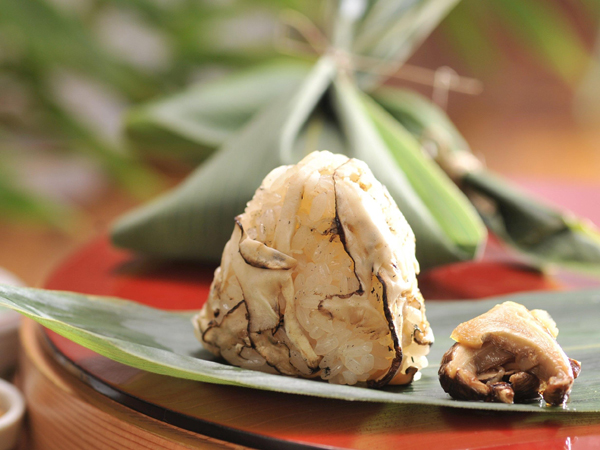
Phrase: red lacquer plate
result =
(263, 419)
(272, 420)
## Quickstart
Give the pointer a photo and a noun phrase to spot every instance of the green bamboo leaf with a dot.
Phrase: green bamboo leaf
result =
(63, 125)
(434, 245)
(191, 124)
(49, 38)
(541, 232)
(163, 342)
(135, 177)
(195, 220)
(451, 209)
(420, 116)
(467, 31)
(392, 27)
(199, 32)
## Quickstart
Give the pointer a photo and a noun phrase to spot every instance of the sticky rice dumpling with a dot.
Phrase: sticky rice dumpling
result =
(319, 280)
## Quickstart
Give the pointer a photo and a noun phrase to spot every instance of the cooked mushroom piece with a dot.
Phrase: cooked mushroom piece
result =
(509, 354)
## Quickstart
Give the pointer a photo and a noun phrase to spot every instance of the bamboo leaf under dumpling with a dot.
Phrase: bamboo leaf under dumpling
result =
(163, 342)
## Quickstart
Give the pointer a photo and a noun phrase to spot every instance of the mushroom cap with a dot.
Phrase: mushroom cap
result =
(509, 335)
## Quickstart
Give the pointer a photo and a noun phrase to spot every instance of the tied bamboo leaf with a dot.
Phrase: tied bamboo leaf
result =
(541, 232)
(163, 342)
(326, 112)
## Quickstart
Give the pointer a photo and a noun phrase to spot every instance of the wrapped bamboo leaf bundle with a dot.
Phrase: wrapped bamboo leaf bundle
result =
(319, 280)
(328, 110)
(278, 113)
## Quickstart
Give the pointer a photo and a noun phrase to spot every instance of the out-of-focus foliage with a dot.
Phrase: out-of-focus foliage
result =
(553, 33)
(19, 203)
(587, 104)
(70, 68)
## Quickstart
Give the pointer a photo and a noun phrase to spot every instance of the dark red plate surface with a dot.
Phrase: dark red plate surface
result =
(272, 420)
(267, 419)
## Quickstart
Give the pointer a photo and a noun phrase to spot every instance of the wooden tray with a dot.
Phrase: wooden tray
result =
(121, 407)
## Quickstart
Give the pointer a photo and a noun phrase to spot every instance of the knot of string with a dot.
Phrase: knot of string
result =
(435, 141)
(310, 41)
